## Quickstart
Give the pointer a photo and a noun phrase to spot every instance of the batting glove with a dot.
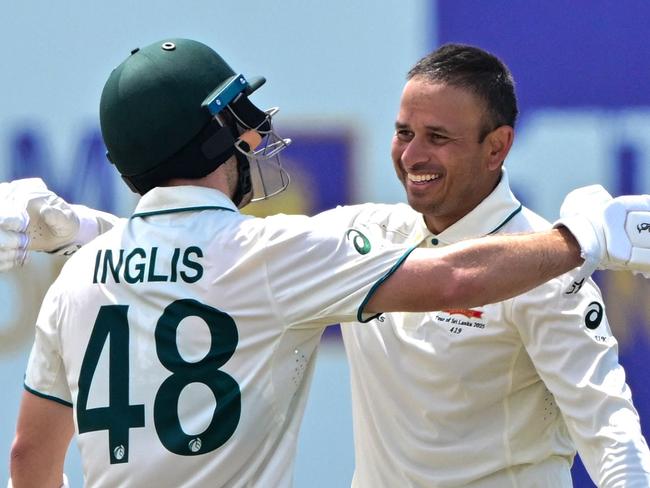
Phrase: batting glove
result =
(627, 233)
(603, 227)
(34, 218)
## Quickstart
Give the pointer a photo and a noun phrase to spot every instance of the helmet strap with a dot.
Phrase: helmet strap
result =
(244, 182)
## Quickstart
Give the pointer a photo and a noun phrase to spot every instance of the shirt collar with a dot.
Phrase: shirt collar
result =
(171, 199)
(486, 218)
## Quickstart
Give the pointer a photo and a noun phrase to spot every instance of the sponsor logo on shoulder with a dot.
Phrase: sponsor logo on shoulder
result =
(360, 241)
(644, 226)
(596, 323)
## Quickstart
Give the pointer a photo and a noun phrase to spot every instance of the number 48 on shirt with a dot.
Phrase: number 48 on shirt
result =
(120, 416)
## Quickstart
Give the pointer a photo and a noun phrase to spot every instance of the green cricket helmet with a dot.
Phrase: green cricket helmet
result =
(176, 109)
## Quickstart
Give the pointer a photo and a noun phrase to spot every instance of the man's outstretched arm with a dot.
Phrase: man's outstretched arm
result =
(595, 231)
(601, 233)
(476, 272)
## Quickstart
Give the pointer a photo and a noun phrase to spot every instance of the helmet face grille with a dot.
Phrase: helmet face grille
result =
(267, 174)
(268, 179)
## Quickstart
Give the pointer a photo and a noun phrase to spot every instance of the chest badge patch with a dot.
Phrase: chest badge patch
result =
(467, 312)
(458, 319)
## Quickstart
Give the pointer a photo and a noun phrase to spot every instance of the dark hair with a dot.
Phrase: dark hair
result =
(478, 71)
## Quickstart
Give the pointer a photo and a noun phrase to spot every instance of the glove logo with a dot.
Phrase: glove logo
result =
(361, 242)
(643, 226)
(594, 315)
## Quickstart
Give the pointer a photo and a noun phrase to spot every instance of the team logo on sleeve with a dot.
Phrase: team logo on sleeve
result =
(594, 315)
(360, 241)
(645, 226)
(596, 323)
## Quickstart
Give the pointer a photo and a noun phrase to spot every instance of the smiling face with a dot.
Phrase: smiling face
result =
(437, 152)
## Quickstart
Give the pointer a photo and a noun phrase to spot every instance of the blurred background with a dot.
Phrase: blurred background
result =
(336, 70)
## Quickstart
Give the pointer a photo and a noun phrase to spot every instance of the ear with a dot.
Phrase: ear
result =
(498, 144)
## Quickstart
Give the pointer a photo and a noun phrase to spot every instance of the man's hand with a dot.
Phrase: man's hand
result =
(612, 233)
(34, 218)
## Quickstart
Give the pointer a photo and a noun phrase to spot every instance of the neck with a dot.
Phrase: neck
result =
(437, 224)
(220, 179)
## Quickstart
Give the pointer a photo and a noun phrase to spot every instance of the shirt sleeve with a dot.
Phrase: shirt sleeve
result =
(324, 269)
(45, 374)
(569, 340)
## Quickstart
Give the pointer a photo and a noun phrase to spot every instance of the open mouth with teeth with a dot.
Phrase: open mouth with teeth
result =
(422, 178)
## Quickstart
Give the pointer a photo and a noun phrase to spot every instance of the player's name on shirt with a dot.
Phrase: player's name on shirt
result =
(140, 265)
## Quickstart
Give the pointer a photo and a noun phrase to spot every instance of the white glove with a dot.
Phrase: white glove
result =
(627, 233)
(13, 240)
(34, 218)
(603, 227)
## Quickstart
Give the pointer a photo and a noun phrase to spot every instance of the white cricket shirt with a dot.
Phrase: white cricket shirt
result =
(185, 337)
(498, 396)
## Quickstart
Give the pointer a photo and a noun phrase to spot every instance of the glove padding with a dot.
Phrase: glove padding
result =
(53, 225)
(604, 227)
(13, 240)
(627, 233)
(34, 218)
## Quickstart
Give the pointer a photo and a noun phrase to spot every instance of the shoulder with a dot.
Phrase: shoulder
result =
(551, 293)
(379, 219)
(89, 250)
(79, 267)
(550, 299)
(395, 216)
(525, 221)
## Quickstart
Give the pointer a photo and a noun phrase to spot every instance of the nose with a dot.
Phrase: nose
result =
(415, 152)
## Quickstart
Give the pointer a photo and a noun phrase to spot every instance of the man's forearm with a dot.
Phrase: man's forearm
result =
(476, 272)
(494, 269)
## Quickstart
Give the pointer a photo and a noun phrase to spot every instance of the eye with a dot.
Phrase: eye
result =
(404, 135)
(436, 138)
